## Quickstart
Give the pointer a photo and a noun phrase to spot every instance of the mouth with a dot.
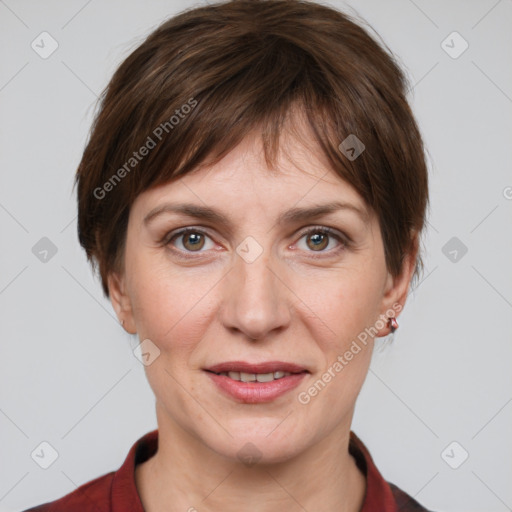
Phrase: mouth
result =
(255, 383)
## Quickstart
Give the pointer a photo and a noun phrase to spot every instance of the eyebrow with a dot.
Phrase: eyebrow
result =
(291, 216)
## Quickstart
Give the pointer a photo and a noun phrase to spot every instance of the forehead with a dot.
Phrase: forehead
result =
(300, 177)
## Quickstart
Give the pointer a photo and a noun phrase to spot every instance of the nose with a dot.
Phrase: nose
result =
(256, 300)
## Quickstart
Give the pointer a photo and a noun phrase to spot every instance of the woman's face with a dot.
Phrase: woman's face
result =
(258, 286)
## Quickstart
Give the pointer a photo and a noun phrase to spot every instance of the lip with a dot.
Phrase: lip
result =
(266, 367)
(256, 392)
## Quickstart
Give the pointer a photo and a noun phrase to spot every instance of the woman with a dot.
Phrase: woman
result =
(253, 194)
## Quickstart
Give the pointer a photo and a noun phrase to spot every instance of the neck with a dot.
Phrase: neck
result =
(186, 475)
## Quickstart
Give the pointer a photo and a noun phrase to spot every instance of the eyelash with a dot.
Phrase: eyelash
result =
(344, 240)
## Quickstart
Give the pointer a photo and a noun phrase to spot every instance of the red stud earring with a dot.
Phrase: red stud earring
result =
(393, 324)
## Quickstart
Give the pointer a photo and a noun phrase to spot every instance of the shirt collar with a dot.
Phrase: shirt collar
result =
(378, 493)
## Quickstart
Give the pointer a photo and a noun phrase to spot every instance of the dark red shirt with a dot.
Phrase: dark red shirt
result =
(116, 491)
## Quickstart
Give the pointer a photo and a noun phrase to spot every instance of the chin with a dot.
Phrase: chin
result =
(260, 443)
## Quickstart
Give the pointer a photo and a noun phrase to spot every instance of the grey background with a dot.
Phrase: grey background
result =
(68, 375)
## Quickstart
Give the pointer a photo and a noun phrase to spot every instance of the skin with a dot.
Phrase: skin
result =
(286, 305)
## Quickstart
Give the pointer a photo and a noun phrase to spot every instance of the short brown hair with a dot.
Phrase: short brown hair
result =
(207, 77)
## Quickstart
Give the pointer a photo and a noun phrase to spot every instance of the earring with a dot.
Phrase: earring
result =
(122, 322)
(393, 324)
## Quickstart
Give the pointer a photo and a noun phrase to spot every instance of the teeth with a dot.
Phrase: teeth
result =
(247, 377)
(255, 377)
(264, 377)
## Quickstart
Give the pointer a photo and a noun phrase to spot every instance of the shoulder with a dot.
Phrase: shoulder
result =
(93, 496)
(404, 502)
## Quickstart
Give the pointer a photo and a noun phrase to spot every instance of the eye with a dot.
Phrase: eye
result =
(190, 239)
(318, 238)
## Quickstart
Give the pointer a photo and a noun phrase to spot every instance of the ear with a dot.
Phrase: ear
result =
(121, 302)
(396, 288)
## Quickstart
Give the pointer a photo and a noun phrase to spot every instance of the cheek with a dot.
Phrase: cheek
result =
(340, 306)
(169, 306)
(345, 307)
